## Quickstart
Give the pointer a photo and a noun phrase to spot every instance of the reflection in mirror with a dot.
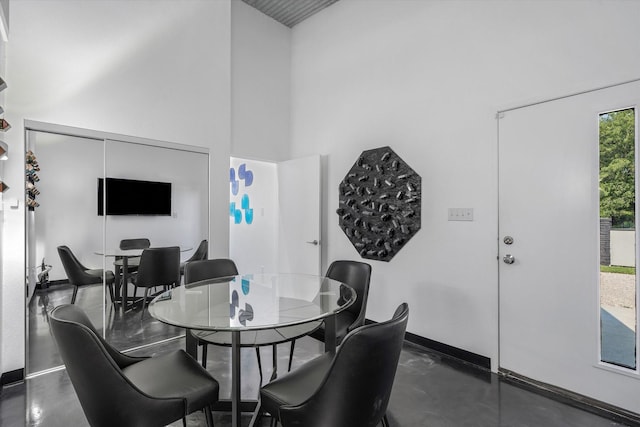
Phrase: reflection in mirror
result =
(60, 219)
(618, 257)
(158, 197)
(68, 191)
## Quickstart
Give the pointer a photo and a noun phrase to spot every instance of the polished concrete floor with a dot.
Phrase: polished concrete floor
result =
(429, 389)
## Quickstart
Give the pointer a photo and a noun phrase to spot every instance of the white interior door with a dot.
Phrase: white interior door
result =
(299, 211)
(549, 230)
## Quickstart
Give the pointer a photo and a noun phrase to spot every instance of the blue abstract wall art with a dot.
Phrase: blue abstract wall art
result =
(245, 179)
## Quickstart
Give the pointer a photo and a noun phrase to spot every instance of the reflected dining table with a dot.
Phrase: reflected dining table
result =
(252, 304)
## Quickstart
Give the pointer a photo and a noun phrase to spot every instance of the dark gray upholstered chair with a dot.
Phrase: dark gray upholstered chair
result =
(79, 275)
(357, 275)
(115, 389)
(201, 253)
(132, 262)
(344, 389)
(158, 267)
(196, 271)
(126, 244)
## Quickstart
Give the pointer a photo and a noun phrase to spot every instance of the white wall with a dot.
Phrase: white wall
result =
(261, 82)
(159, 70)
(253, 247)
(426, 78)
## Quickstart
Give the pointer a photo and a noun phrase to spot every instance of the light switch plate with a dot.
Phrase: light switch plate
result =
(460, 214)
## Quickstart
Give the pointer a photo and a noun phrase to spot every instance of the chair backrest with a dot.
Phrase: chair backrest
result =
(159, 266)
(74, 269)
(356, 389)
(202, 252)
(107, 397)
(134, 244)
(196, 271)
(357, 275)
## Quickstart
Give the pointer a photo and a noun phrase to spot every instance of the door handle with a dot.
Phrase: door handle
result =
(313, 242)
(509, 259)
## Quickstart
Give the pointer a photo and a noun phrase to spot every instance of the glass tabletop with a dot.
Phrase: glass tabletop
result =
(117, 252)
(252, 302)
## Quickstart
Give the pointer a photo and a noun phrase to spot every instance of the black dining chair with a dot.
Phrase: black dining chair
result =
(201, 253)
(132, 262)
(129, 244)
(116, 389)
(79, 275)
(158, 267)
(142, 243)
(196, 271)
(350, 387)
(357, 275)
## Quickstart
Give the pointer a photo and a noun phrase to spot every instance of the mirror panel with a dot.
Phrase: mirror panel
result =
(64, 215)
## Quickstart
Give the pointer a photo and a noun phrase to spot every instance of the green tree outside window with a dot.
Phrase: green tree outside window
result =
(617, 168)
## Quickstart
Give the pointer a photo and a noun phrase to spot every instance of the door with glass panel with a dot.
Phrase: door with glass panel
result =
(567, 243)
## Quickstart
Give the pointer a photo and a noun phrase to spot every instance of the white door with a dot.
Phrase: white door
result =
(299, 211)
(549, 230)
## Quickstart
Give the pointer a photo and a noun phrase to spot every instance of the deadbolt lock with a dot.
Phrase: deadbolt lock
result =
(508, 240)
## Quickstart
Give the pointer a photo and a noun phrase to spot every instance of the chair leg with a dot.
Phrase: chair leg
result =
(293, 346)
(73, 297)
(385, 421)
(112, 294)
(208, 415)
(259, 364)
(184, 421)
(274, 361)
(257, 414)
(144, 302)
(204, 354)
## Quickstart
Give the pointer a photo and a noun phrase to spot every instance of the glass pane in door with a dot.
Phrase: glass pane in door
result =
(617, 180)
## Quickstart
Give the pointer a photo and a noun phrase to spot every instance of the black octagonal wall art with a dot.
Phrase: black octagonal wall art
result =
(380, 204)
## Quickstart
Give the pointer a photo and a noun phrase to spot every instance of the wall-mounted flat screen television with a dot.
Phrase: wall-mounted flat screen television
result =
(133, 197)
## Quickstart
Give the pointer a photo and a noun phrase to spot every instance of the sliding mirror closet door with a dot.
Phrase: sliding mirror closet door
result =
(61, 220)
(152, 194)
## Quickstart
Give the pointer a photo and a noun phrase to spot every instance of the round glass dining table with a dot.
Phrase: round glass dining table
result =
(251, 303)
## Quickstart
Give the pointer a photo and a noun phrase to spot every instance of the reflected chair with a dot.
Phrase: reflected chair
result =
(79, 275)
(357, 275)
(350, 387)
(115, 389)
(201, 253)
(126, 244)
(158, 267)
(132, 262)
(196, 271)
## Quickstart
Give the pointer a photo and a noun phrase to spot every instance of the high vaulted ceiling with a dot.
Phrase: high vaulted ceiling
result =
(289, 12)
